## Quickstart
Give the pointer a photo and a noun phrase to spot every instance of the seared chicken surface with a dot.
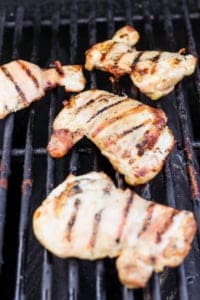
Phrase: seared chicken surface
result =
(88, 217)
(22, 82)
(133, 136)
(155, 73)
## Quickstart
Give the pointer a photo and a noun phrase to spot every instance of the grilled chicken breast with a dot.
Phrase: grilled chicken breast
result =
(22, 82)
(133, 136)
(155, 73)
(88, 217)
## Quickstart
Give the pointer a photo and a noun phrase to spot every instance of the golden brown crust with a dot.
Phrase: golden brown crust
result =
(60, 143)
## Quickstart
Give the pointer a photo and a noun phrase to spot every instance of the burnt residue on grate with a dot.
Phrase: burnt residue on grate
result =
(63, 31)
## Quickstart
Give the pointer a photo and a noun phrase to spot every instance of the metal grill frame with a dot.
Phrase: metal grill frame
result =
(153, 290)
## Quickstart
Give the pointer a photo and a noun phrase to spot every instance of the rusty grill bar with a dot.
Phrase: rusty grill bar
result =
(28, 174)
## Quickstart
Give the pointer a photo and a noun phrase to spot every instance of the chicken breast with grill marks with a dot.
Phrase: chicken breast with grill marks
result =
(88, 217)
(133, 136)
(155, 73)
(22, 82)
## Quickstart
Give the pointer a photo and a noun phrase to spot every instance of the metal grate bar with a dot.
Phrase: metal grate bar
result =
(25, 201)
(73, 268)
(46, 289)
(73, 271)
(183, 290)
(148, 24)
(191, 42)
(127, 294)
(41, 151)
(73, 31)
(27, 183)
(100, 269)
(100, 289)
(92, 37)
(81, 21)
(7, 141)
(110, 18)
(183, 116)
(155, 291)
(128, 12)
(4, 171)
(196, 145)
(2, 26)
(190, 157)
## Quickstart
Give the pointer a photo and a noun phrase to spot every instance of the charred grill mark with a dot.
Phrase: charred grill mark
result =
(156, 58)
(77, 189)
(136, 59)
(106, 51)
(72, 219)
(97, 219)
(114, 68)
(124, 217)
(147, 220)
(105, 108)
(166, 226)
(28, 72)
(59, 69)
(112, 140)
(110, 121)
(100, 98)
(152, 134)
(85, 105)
(18, 89)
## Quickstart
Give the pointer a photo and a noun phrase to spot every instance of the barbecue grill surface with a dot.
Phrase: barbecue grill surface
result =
(63, 30)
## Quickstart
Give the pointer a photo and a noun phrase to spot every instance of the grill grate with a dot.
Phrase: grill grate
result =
(27, 270)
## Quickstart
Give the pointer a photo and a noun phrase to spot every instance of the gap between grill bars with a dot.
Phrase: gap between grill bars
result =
(104, 283)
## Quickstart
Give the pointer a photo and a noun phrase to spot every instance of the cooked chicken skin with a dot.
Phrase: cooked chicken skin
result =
(22, 82)
(88, 217)
(133, 136)
(155, 73)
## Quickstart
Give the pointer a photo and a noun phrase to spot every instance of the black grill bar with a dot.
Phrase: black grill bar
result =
(42, 151)
(183, 116)
(2, 26)
(148, 27)
(189, 154)
(46, 290)
(9, 125)
(127, 294)
(26, 184)
(4, 172)
(100, 286)
(100, 269)
(25, 203)
(110, 19)
(183, 291)
(92, 36)
(191, 42)
(73, 31)
(73, 268)
(128, 11)
(81, 21)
